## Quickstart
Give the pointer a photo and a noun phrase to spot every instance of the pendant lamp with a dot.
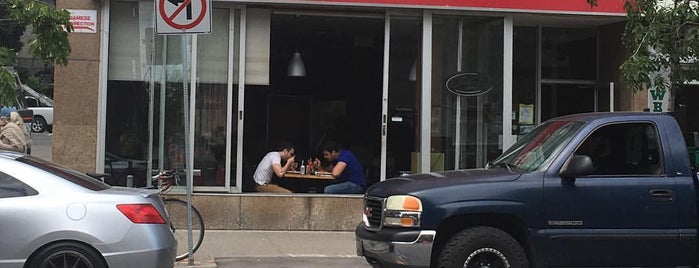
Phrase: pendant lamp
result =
(412, 76)
(296, 67)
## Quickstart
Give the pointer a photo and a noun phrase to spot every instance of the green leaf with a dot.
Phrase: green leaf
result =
(8, 92)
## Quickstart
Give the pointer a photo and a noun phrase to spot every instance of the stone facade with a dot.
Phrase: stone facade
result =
(76, 91)
(297, 212)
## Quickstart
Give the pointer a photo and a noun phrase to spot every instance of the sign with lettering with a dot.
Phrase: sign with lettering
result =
(658, 100)
(468, 84)
(183, 16)
(83, 21)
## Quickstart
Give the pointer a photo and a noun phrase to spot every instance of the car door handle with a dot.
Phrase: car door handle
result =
(661, 195)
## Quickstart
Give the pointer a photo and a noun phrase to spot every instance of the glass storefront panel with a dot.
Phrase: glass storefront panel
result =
(403, 122)
(128, 88)
(146, 97)
(524, 80)
(466, 129)
(567, 80)
(564, 99)
(338, 99)
(211, 102)
(568, 53)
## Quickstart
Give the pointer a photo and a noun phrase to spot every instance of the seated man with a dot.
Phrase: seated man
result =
(345, 167)
(599, 148)
(270, 165)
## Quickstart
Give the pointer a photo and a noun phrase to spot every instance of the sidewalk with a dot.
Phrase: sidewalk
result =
(225, 245)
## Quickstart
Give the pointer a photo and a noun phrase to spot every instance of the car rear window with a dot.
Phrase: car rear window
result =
(65, 173)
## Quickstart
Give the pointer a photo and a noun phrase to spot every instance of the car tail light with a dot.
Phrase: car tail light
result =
(141, 213)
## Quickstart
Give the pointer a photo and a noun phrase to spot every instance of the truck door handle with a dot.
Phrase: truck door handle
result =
(661, 195)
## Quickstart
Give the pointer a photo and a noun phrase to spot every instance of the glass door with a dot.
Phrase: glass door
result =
(401, 115)
(568, 71)
(564, 99)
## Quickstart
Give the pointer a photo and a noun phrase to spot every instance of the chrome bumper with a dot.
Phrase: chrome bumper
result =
(413, 254)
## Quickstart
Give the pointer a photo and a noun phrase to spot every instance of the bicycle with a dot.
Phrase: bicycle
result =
(177, 212)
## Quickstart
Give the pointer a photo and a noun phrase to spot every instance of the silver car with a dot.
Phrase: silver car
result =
(52, 216)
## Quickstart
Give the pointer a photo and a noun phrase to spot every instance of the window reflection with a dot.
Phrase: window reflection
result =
(475, 136)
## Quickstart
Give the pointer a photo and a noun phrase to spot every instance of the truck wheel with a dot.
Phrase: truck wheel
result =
(482, 247)
(38, 124)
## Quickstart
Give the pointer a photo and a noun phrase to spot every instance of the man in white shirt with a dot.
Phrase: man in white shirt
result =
(271, 165)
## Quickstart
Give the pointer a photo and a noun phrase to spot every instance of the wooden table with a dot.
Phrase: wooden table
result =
(305, 183)
(308, 176)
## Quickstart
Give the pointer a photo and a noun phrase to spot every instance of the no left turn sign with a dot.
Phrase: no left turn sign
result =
(183, 16)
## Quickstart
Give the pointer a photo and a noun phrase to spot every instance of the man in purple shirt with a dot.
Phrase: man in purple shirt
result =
(345, 168)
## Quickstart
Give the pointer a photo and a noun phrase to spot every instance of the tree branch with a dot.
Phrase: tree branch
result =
(643, 40)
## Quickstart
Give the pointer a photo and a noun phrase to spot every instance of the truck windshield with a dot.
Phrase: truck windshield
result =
(535, 150)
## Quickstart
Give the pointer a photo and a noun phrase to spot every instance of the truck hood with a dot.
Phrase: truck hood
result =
(412, 184)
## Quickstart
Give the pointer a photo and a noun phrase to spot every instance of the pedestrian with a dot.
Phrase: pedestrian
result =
(271, 164)
(345, 167)
(11, 136)
(17, 119)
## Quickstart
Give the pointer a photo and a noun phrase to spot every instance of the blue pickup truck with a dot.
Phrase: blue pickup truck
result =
(584, 190)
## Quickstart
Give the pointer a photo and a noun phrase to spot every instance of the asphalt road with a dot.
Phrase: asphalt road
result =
(292, 262)
(41, 145)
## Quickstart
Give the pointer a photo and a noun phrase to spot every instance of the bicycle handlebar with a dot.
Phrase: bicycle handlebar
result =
(166, 179)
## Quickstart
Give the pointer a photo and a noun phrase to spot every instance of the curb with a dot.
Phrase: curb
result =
(198, 264)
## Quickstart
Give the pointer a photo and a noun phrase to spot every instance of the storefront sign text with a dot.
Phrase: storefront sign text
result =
(658, 100)
(83, 21)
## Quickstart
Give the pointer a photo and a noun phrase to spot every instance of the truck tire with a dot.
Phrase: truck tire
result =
(482, 247)
(39, 124)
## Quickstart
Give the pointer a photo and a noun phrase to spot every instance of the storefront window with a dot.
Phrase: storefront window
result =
(212, 97)
(338, 98)
(569, 73)
(130, 68)
(147, 88)
(524, 82)
(569, 53)
(466, 121)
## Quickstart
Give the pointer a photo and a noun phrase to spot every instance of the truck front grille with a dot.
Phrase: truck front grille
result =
(373, 210)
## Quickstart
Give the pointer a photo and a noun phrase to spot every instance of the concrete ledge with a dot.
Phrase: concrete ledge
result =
(282, 212)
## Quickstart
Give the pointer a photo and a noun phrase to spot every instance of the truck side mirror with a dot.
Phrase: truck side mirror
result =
(579, 165)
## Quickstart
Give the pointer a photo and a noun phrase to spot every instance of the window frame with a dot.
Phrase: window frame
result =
(12, 184)
(661, 169)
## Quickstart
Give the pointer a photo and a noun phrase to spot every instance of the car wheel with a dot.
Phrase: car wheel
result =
(67, 254)
(482, 247)
(38, 124)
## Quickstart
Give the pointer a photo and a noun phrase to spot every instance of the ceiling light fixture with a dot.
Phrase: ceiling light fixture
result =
(296, 67)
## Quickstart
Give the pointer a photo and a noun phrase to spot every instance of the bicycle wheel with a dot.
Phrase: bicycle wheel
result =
(177, 211)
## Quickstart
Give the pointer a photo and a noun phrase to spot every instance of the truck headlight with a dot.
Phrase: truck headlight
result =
(402, 211)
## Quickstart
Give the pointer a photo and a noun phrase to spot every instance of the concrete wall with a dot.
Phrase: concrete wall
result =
(611, 55)
(303, 212)
(76, 97)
